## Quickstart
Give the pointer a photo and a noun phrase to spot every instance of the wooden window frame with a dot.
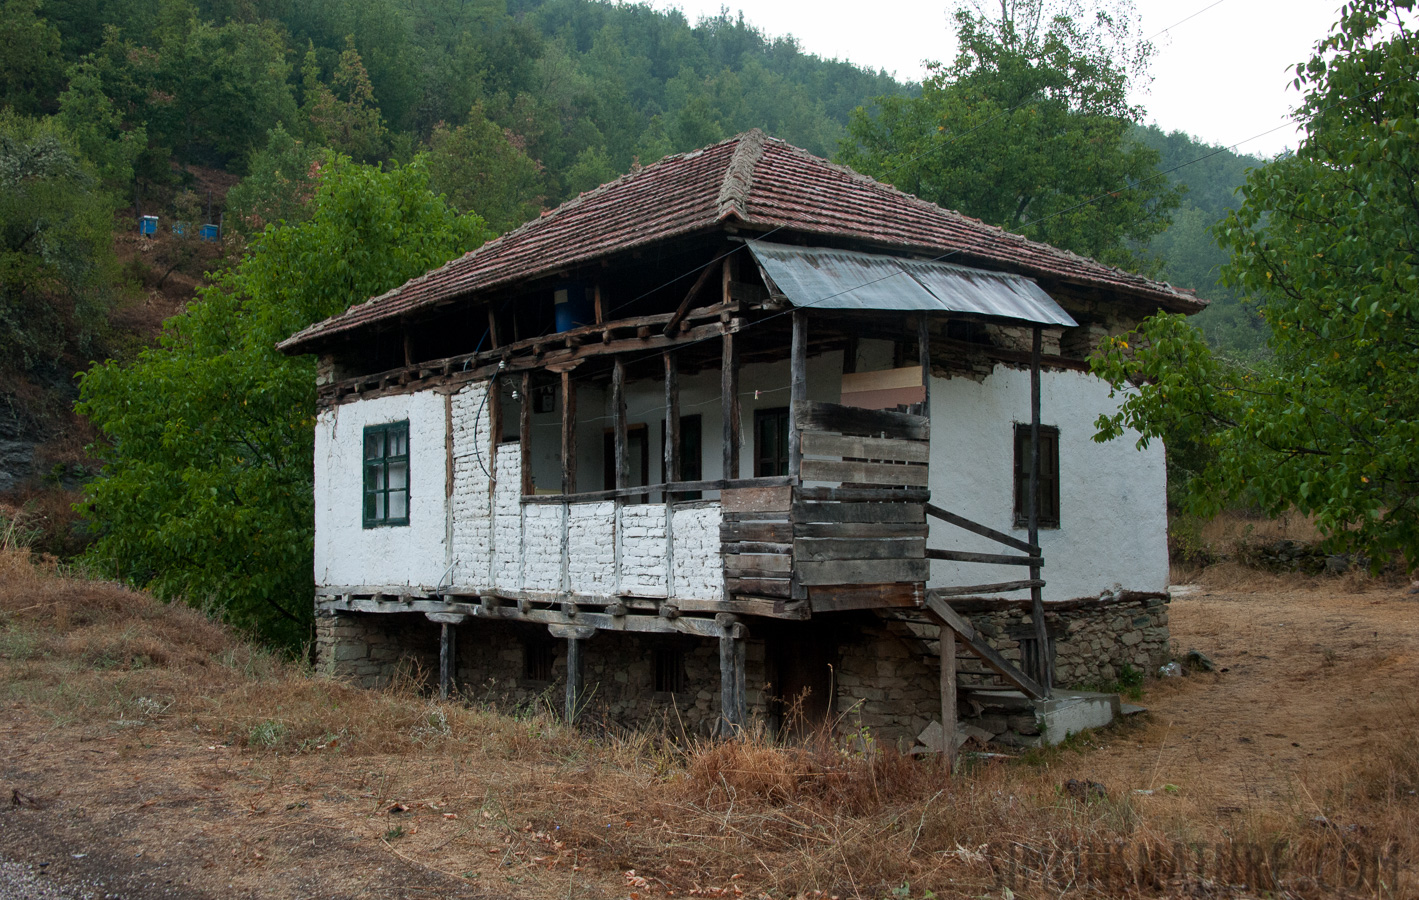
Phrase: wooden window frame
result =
(370, 465)
(759, 416)
(1049, 515)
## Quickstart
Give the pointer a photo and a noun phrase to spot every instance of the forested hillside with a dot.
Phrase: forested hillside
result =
(205, 112)
(1191, 256)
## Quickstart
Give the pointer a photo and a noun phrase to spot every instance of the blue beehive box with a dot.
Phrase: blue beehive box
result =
(148, 225)
(209, 232)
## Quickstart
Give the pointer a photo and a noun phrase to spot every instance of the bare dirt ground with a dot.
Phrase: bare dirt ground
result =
(128, 791)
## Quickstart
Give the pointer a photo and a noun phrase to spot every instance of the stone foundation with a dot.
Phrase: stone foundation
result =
(874, 677)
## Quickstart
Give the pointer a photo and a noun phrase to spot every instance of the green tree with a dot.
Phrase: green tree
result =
(206, 488)
(1328, 241)
(478, 169)
(343, 114)
(56, 246)
(31, 69)
(1028, 130)
(280, 185)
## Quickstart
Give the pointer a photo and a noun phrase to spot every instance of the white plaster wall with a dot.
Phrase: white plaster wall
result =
(347, 553)
(542, 547)
(643, 550)
(699, 570)
(472, 488)
(1113, 515)
(506, 564)
(591, 547)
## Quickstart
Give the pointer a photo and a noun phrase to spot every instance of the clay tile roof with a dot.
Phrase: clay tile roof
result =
(750, 179)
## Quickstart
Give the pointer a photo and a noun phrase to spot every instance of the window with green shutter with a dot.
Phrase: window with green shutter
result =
(386, 475)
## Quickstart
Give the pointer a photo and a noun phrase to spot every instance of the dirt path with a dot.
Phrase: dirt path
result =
(1308, 682)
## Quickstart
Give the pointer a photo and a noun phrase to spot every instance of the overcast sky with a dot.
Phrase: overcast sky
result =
(1221, 75)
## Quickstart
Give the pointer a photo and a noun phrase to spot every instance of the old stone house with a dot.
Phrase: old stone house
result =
(737, 437)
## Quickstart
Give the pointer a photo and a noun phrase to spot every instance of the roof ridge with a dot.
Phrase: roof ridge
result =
(739, 176)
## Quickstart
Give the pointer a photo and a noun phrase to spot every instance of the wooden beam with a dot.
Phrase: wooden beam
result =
(999, 537)
(596, 303)
(618, 423)
(671, 471)
(861, 472)
(945, 615)
(495, 427)
(1037, 605)
(492, 329)
(673, 326)
(717, 484)
(568, 434)
(798, 390)
(971, 590)
(839, 446)
(524, 434)
(447, 658)
(923, 343)
(851, 420)
(998, 559)
(862, 571)
(731, 685)
(729, 403)
(574, 677)
(948, 695)
(863, 495)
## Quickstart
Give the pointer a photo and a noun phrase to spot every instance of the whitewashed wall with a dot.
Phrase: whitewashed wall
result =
(347, 553)
(1112, 496)
(483, 537)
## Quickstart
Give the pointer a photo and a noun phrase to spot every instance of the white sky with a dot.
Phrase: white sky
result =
(1221, 75)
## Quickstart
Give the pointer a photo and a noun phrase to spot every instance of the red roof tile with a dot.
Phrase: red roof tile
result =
(750, 179)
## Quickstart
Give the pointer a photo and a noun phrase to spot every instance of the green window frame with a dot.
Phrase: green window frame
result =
(386, 465)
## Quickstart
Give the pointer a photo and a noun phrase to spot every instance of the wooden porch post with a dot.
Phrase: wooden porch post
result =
(568, 434)
(574, 636)
(524, 433)
(948, 694)
(447, 652)
(798, 389)
(672, 420)
(923, 343)
(618, 422)
(1037, 605)
(729, 400)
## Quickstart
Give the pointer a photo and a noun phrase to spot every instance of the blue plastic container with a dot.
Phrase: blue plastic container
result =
(148, 225)
(209, 232)
(179, 229)
(574, 306)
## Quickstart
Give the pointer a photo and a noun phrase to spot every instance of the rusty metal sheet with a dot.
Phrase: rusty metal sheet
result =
(846, 279)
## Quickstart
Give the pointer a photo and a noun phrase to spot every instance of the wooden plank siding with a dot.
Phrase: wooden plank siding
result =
(857, 544)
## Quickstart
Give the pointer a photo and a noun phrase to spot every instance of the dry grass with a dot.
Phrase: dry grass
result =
(283, 783)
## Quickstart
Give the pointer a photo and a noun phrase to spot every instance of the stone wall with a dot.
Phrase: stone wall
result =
(1093, 639)
(884, 673)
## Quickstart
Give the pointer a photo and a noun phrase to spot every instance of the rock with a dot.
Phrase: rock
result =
(932, 738)
(1198, 660)
(972, 733)
(1171, 670)
(1130, 709)
(1085, 791)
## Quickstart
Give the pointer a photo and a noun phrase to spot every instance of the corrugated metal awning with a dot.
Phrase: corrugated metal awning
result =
(845, 279)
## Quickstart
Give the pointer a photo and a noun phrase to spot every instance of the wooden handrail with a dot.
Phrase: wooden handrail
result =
(999, 537)
(674, 487)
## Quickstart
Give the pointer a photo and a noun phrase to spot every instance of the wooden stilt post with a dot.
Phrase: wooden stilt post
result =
(732, 704)
(729, 400)
(798, 389)
(948, 695)
(574, 675)
(447, 658)
(1037, 605)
